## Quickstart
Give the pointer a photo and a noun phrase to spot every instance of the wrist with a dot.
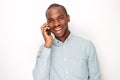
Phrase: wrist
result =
(47, 45)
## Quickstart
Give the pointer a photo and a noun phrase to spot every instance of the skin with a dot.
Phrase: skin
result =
(57, 22)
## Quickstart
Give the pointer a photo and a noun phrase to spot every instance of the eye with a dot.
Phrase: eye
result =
(60, 18)
(50, 20)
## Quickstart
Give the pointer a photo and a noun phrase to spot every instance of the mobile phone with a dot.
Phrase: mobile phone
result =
(48, 31)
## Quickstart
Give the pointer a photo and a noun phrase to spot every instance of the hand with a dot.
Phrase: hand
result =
(48, 38)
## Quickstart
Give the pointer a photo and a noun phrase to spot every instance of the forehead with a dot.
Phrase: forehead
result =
(54, 11)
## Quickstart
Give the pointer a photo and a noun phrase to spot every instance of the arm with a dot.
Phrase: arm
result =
(41, 70)
(94, 73)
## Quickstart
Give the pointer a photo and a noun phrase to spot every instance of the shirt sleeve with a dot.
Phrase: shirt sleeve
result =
(93, 67)
(41, 70)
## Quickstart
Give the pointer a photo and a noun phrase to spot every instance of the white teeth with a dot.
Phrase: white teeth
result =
(58, 28)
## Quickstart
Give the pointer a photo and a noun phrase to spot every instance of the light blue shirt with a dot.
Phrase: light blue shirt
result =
(75, 59)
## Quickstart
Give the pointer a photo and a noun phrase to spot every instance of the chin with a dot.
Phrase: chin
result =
(59, 36)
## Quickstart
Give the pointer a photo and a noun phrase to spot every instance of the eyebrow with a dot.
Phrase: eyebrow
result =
(57, 17)
(61, 15)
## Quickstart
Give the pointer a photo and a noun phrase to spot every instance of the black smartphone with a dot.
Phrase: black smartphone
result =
(48, 31)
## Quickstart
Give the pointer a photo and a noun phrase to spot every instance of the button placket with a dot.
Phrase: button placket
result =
(66, 72)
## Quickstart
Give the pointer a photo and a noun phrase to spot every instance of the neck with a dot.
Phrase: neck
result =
(62, 39)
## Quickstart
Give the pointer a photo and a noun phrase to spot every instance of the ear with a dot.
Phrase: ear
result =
(68, 18)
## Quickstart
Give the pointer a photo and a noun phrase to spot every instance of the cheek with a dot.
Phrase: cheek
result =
(51, 24)
(65, 29)
(52, 30)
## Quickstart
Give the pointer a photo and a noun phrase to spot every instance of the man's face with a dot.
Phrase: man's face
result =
(58, 21)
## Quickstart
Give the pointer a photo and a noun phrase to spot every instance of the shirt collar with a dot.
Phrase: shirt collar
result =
(59, 43)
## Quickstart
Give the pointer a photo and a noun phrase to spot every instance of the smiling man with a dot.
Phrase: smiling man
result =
(64, 56)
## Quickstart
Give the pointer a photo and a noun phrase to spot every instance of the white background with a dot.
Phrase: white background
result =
(20, 36)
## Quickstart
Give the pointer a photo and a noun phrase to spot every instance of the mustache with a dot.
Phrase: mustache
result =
(52, 27)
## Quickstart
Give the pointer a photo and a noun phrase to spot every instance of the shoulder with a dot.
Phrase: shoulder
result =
(81, 39)
(85, 44)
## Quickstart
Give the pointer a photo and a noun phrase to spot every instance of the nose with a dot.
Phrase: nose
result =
(57, 23)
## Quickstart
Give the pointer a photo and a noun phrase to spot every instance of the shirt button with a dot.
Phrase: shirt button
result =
(63, 46)
(65, 59)
(66, 72)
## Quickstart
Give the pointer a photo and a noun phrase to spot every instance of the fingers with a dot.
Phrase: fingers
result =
(44, 27)
(47, 38)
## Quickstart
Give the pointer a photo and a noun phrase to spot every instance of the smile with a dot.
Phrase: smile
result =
(58, 30)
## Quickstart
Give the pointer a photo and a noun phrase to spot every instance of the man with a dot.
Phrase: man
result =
(64, 57)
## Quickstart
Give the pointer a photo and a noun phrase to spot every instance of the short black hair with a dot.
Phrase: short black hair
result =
(57, 5)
